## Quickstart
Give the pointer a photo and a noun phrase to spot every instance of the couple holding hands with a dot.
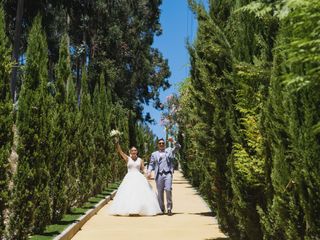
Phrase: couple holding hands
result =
(135, 195)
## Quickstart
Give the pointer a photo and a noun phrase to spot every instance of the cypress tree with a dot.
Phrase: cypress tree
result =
(247, 159)
(251, 38)
(30, 207)
(85, 144)
(108, 114)
(100, 177)
(145, 141)
(72, 129)
(119, 120)
(6, 120)
(58, 167)
(211, 65)
(292, 118)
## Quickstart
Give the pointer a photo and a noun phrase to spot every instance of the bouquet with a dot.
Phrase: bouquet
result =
(115, 134)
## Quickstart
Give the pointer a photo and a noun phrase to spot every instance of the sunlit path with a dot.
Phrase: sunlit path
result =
(191, 220)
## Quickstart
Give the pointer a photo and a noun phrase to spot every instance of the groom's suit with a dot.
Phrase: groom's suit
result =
(162, 164)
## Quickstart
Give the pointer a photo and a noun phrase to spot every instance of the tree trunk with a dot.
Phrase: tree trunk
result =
(16, 46)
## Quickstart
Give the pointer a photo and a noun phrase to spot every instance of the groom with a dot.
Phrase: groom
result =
(161, 162)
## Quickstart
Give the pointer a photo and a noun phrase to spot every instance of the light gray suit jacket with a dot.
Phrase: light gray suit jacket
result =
(155, 156)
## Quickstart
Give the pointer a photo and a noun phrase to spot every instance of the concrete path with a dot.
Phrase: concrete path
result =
(191, 220)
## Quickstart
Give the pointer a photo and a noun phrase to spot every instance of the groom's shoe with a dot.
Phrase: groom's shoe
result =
(169, 213)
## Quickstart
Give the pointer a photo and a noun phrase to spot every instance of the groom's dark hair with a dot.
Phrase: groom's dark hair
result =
(161, 139)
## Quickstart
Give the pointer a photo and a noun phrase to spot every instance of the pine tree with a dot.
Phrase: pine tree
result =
(30, 207)
(6, 120)
(100, 178)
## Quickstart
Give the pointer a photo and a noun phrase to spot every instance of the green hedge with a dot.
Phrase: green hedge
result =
(249, 118)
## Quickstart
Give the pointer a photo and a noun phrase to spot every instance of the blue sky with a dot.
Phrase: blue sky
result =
(178, 24)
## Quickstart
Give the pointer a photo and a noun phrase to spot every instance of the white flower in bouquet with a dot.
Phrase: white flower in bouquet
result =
(115, 133)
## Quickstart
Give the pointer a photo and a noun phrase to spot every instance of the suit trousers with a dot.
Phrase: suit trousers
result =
(164, 183)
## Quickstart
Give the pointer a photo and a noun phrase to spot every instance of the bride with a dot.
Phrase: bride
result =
(134, 195)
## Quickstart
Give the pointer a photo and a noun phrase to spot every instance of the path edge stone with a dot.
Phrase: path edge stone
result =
(72, 230)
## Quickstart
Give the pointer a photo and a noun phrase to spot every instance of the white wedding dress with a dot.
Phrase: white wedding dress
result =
(135, 195)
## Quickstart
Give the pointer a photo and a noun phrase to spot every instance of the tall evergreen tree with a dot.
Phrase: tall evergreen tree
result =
(102, 109)
(30, 207)
(85, 145)
(292, 118)
(72, 128)
(58, 167)
(6, 120)
(211, 65)
(119, 120)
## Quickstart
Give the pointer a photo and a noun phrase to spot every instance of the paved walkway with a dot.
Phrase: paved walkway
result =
(191, 220)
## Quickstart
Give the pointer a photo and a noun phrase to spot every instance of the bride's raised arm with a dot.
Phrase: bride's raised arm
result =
(122, 154)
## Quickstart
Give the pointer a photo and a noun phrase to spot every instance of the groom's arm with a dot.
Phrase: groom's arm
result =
(176, 148)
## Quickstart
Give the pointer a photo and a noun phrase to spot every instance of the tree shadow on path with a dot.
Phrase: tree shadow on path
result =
(205, 214)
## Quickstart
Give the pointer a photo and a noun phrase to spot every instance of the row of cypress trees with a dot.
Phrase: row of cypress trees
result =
(6, 120)
(249, 118)
(64, 148)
